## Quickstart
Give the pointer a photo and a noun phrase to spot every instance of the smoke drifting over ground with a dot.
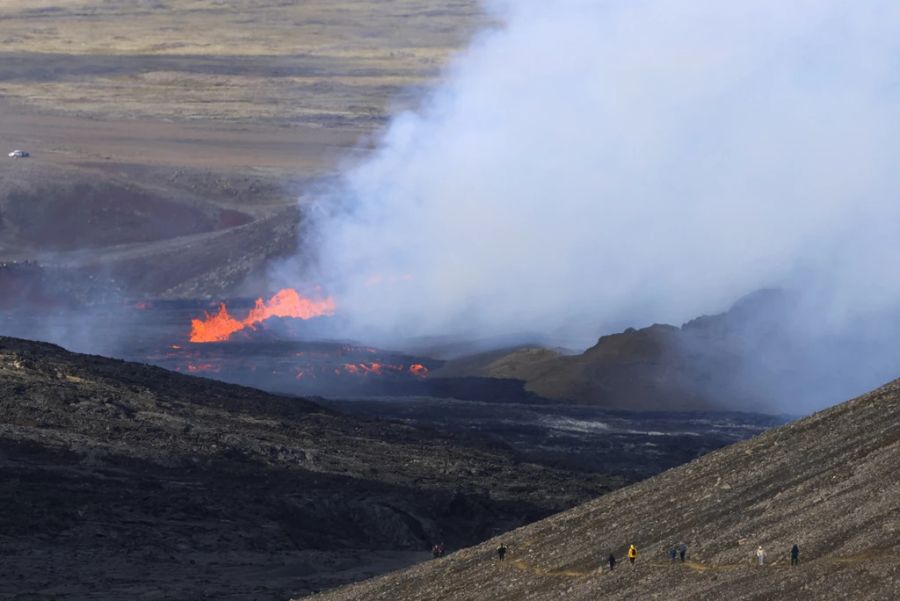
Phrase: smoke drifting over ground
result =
(590, 165)
(629, 163)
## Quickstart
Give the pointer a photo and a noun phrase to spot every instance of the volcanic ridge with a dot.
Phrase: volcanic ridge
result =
(121, 480)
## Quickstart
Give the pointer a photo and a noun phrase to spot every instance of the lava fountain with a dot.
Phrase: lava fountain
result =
(286, 303)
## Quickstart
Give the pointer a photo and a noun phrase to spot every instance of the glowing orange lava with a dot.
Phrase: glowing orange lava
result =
(417, 369)
(362, 369)
(286, 303)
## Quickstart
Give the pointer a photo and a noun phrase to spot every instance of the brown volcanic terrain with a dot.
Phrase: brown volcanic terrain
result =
(120, 480)
(828, 483)
(707, 363)
(636, 369)
(318, 62)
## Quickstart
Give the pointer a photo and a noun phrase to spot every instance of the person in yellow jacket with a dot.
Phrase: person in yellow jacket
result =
(632, 554)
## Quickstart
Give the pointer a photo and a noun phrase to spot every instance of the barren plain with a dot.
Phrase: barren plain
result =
(166, 133)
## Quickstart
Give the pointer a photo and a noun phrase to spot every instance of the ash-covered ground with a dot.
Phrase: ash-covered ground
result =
(629, 444)
(125, 481)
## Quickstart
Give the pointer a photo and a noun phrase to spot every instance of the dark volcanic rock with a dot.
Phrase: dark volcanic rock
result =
(120, 480)
(828, 483)
(633, 445)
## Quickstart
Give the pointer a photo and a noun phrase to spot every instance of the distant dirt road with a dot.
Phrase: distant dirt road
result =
(157, 208)
(300, 151)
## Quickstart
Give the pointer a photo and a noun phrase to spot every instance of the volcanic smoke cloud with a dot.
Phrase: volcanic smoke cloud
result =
(592, 165)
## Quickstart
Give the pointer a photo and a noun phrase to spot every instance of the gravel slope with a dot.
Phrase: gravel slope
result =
(828, 482)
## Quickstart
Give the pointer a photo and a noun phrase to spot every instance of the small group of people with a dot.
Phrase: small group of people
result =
(761, 555)
(437, 550)
(679, 550)
(632, 556)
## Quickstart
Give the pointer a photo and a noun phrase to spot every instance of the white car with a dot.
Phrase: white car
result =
(19, 154)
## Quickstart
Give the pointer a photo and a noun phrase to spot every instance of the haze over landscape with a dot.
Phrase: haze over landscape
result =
(341, 287)
(589, 166)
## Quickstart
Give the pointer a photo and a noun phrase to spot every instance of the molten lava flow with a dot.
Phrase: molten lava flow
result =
(381, 369)
(371, 368)
(215, 328)
(194, 368)
(289, 303)
(417, 369)
(362, 369)
(286, 303)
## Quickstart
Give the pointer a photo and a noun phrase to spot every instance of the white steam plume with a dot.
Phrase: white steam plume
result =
(594, 164)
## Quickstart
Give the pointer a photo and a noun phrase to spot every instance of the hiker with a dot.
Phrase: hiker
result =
(611, 561)
(795, 555)
(441, 549)
(682, 551)
(501, 551)
(760, 555)
(436, 551)
(672, 554)
(632, 554)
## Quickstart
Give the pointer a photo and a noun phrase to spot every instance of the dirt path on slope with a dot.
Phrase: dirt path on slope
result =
(871, 556)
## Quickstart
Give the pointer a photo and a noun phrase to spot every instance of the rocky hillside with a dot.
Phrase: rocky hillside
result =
(828, 483)
(120, 480)
(636, 370)
(766, 353)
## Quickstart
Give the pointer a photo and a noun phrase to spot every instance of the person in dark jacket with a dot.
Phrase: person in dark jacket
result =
(682, 551)
(501, 551)
(611, 561)
(795, 555)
